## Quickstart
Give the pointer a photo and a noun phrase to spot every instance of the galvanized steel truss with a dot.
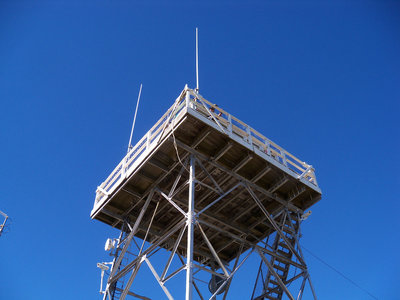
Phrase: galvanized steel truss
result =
(280, 253)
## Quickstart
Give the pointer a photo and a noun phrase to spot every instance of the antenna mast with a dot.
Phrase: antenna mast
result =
(197, 59)
(134, 119)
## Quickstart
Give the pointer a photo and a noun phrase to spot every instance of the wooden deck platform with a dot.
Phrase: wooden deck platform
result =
(227, 150)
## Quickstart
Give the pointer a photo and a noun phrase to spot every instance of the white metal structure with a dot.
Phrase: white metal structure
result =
(3, 225)
(212, 191)
(226, 123)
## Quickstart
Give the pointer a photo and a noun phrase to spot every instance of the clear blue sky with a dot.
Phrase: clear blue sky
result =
(320, 78)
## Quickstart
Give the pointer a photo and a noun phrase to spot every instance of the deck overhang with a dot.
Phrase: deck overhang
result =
(233, 161)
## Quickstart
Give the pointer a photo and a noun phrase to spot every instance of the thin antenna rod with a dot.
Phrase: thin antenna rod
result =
(134, 119)
(197, 59)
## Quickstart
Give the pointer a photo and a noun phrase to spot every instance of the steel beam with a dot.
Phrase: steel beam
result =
(158, 279)
(190, 237)
(131, 278)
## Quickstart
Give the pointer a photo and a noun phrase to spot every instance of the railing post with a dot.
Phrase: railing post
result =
(148, 137)
(249, 138)
(314, 179)
(268, 146)
(230, 125)
(187, 99)
(123, 173)
(283, 157)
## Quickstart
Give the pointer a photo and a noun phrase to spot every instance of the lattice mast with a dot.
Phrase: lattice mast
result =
(212, 191)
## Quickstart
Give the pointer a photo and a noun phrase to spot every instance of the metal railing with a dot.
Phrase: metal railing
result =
(230, 125)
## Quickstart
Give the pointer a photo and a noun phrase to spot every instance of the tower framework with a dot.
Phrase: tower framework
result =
(211, 191)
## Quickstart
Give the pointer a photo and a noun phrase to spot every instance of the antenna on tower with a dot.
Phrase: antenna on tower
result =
(197, 59)
(134, 119)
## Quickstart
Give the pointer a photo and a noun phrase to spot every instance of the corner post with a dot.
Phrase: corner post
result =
(187, 98)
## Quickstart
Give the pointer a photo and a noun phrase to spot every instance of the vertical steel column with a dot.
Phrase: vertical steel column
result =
(190, 226)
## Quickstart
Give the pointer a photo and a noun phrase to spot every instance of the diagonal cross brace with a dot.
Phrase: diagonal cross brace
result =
(209, 176)
(131, 278)
(209, 112)
(183, 168)
(218, 199)
(276, 227)
(148, 251)
(169, 199)
(214, 253)
(130, 237)
(305, 172)
(271, 269)
(164, 288)
(177, 242)
(229, 278)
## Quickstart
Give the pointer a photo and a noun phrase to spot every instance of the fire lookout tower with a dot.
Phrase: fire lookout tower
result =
(205, 191)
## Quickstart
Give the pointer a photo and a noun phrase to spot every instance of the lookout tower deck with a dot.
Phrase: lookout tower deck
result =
(235, 164)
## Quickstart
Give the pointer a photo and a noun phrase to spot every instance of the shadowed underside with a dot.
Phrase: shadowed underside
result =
(229, 160)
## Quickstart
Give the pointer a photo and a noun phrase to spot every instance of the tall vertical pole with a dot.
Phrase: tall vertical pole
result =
(197, 59)
(190, 224)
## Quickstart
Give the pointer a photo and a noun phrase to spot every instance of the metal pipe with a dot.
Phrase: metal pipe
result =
(177, 242)
(190, 224)
(131, 279)
(303, 283)
(312, 287)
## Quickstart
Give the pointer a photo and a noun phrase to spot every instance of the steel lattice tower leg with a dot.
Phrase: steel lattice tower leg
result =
(190, 224)
(282, 261)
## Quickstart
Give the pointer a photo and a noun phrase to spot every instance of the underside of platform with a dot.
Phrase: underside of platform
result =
(230, 165)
